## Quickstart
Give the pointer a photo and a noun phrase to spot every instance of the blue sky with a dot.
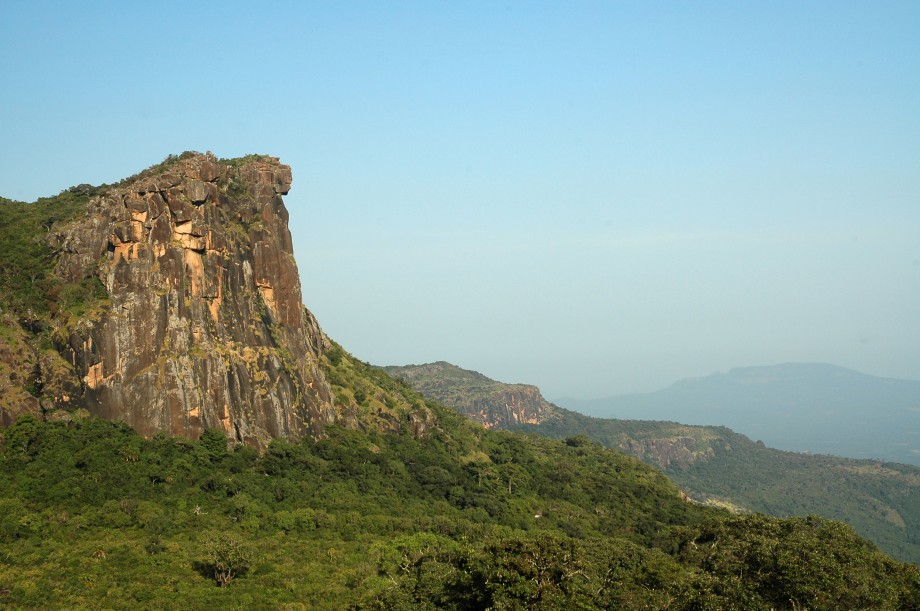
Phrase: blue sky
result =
(592, 197)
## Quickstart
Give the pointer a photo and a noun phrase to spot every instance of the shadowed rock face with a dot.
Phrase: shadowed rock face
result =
(668, 452)
(205, 325)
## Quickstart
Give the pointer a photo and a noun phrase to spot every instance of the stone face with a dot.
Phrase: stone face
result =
(205, 325)
(667, 452)
(196, 191)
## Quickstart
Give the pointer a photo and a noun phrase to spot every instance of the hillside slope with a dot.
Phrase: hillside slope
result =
(717, 466)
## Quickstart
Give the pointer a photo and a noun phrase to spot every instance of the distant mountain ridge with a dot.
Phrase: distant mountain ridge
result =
(803, 407)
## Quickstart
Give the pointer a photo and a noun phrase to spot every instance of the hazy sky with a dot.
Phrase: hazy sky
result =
(592, 197)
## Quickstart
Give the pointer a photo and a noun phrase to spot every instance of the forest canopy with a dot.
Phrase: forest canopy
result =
(464, 518)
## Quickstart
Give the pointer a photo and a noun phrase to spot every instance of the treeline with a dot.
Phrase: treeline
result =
(91, 515)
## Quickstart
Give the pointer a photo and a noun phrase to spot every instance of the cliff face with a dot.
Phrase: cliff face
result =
(678, 452)
(494, 404)
(204, 324)
(503, 407)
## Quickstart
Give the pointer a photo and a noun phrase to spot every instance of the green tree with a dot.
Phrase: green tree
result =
(214, 442)
(227, 559)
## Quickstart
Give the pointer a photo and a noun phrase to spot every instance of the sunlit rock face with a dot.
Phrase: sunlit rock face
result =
(204, 324)
(507, 407)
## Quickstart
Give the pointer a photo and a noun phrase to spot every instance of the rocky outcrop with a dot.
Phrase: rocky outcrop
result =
(511, 405)
(668, 452)
(494, 404)
(204, 324)
(32, 380)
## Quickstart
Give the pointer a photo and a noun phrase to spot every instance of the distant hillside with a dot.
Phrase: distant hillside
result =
(803, 407)
(491, 403)
(715, 465)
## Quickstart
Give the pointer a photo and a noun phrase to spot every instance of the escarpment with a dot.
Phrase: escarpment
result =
(204, 324)
(675, 452)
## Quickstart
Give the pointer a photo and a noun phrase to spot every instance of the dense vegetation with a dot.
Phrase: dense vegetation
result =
(27, 284)
(715, 465)
(92, 514)
(881, 500)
